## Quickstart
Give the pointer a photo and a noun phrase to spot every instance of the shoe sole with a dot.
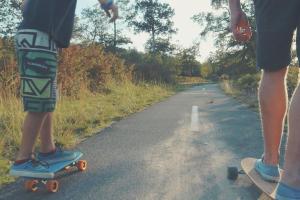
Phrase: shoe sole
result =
(268, 178)
(31, 174)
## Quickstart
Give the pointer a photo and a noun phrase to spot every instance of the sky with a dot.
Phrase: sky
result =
(188, 31)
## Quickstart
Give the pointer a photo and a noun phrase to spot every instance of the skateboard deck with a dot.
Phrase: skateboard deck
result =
(267, 188)
(52, 185)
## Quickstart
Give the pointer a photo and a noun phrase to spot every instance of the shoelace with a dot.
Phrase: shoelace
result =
(36, 162)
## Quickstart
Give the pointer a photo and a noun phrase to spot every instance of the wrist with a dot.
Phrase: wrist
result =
(235, 6)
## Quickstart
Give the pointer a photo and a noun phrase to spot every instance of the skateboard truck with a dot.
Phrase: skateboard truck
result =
(233, 173)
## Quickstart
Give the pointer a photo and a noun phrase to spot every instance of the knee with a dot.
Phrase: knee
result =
(275, 76)
(40, 114)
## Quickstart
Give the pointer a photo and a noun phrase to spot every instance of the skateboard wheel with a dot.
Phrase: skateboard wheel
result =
(232, 173)
(31, 185)
(52, 186)
(81, 165)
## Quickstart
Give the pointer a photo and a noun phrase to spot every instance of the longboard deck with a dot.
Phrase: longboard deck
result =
(266, 187)
(55, 168)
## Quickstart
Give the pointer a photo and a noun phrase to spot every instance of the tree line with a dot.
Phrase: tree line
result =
(161, 61)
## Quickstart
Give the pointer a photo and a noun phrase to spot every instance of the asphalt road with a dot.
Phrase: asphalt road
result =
(178, 149)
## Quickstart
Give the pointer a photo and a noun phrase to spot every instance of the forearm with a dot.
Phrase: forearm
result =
(234, 5)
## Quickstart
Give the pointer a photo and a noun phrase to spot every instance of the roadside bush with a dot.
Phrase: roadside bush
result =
(292, 79)
(156, 68)
(248, 83)
(89, 67)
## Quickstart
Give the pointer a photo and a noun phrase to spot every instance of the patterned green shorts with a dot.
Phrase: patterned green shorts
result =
(37, 61)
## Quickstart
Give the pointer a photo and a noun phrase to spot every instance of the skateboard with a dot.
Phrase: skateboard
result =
(52, 184)
(268, 189)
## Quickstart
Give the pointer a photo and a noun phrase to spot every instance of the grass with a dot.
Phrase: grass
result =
(249, 99)
(76, 119)
(190, 80)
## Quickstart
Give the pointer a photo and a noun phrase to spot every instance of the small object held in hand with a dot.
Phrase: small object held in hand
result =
(243, 29)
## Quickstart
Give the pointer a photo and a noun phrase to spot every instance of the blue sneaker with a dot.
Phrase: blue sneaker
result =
(58, 156)
(285, 192)
(31, 168)
(267, 172)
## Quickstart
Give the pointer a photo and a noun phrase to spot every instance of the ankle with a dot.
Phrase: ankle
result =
(47, 149)
(22, 156)
(47, 153)
(271, 159)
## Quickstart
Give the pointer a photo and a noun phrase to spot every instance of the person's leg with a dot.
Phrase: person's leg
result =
(46, 136)
(273, 106)
(48, 151)
(37, 60)
(31, 128)
(291, 173)
(289, 185)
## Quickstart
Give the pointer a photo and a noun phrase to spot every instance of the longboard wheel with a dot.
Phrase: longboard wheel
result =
(52, 186)
(81, 165)
(31, 185)
(232, 173)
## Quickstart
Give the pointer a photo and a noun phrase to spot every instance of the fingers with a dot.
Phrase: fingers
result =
(240, 27)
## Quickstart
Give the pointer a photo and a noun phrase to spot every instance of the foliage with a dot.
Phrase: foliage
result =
(153, 17)
(232, 58)
(292, 79)
(248, 83)
(161, 46)
(93, 28)
(188, 62)
(9, 78)
(206, 70)
(10, 16)
(90, 67)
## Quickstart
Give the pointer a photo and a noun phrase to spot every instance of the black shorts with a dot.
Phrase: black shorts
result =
(276, 21)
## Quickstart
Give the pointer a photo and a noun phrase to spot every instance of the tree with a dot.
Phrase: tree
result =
(10, 16)
(230, 52)
(190, 65)
(92, 27)
(161, 46)
(152, 17)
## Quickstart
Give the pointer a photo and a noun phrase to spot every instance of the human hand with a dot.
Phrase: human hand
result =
(240, 26)
(110, 9)
(115, 13)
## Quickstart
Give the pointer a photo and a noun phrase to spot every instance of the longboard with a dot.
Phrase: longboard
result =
(32, 184)
(267, 188)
